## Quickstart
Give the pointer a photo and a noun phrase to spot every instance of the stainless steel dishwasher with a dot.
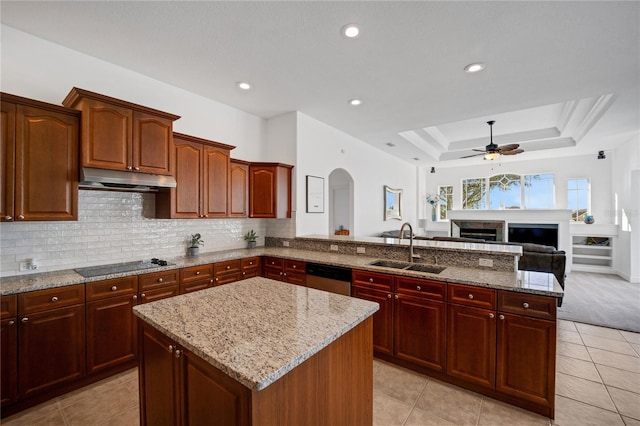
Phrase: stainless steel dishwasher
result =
(329, 278)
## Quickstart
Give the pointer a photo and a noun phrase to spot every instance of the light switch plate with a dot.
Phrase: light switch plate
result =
(334, 247)
(486, 262)
(285, 243)
(360, 250)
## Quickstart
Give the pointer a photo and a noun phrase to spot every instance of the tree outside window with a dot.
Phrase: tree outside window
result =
(474, 193)
(509, 191)
(578, 194)
(446, 201)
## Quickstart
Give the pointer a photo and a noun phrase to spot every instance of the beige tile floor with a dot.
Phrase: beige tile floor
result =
(598, 383)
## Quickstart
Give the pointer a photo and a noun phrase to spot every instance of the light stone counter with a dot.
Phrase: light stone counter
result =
(521, 281)
(256, 330)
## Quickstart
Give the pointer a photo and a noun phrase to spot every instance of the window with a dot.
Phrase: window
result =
(578, 192)
(504, 192)
(509, 191)
(474, 193)
(446, 201)
(539, 192)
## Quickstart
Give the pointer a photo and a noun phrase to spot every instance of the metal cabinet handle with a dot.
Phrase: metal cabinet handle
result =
(54, 299)
(418, 288)
(217, 279)
(525, 305)
(11, 322)
(25, 319)
(171, 348)
(9, 218)
(177, 353)
(250, 263)
(142, 296)
(370, 280)
(206, 215)
(114, 288)
(501, 317)
(395, 296)
(129, 167)
(211, 280)
(160, 280)
(20, 217)
(294, 266)
(135, 297)
(228, 267)
(136, 168)
(284, 274)
(491, 315)
(470, 296)
(197, 272)
(244, 273)
(389, 296)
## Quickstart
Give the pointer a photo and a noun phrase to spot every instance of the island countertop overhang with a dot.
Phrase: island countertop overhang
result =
(256, 330)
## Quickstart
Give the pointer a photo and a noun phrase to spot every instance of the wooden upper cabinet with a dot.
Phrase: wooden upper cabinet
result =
(202, 176)
(239, 193)
(120, 135)
(39, 160)
(270, 190)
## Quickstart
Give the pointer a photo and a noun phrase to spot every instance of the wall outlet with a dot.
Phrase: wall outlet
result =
(285, 243)
(360, 250)
(486, 262)
(334, 247)
(28, 265)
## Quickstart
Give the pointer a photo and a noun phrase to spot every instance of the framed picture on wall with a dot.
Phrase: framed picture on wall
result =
(315, 194)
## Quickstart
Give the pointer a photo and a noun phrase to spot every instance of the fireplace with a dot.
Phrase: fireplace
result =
(488, 230)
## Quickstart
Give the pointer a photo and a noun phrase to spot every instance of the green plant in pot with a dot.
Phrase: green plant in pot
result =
(195, 241)
(251, 238)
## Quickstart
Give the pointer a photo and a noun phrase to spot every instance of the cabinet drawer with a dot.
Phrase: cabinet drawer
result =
(192, 286)
(250, 263)
(297, 266)
(110, 288)
(196, 273)
(159, 293)
(157, 279)
(8, 306)
(227, 277)
(43, 300)
(226, 267)
(273, 262)
(372, 280)
(527, 304)
(472, 296)
(421, 288)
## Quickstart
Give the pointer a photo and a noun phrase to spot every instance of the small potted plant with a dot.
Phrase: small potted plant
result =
(251, 238)
(195, 241)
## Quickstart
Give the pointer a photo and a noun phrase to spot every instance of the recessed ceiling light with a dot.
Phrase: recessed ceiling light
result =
(350, 31)
(475, 67)
(355, 102)
(243, 85)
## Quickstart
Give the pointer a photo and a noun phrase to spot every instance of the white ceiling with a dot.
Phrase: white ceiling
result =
(561, 78)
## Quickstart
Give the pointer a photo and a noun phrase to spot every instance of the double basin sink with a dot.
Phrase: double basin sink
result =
(420, 267)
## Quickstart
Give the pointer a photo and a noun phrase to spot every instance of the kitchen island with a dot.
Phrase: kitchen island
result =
(256, 352)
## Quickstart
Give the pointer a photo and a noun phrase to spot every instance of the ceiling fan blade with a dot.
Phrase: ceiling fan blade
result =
(479, 150)
(512, 152)
(473, 155)
(509, 147)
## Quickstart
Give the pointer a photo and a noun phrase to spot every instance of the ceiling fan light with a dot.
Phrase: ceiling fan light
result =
(491, 155)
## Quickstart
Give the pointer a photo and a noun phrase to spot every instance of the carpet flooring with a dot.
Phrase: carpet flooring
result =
(601, 299)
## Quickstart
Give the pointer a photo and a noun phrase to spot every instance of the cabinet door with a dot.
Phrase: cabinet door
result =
(420, 331)
(382, 319)
(216, 182)
(210, 394)
(51, 349)
(152, 144)
(239, 194)
(106, 135)
(471, 344)
(296, 278)
(8, 360)
(189, 191)
(159, 377)
(262, 187)
(111, 333)
(526, 358)
(46, 165)
(7, 160)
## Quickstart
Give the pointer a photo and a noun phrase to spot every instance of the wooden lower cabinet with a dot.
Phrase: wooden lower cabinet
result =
(526, 358)
(471, 345)
(51, 349)
(285, 270)
(227, 272)
(382, 319)
(419, 334)
(250, 267)
(8, 360)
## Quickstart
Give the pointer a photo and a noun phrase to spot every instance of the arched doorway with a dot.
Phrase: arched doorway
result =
(341, 201)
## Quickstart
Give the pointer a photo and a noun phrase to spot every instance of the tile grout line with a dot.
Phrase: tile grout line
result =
(413, 406)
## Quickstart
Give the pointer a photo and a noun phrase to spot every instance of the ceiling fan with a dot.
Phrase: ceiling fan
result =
(493, 151)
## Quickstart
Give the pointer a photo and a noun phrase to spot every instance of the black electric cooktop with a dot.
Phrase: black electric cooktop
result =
(116, 268)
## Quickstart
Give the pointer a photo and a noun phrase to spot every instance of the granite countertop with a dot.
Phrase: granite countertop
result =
(521, 281)
(256, 330)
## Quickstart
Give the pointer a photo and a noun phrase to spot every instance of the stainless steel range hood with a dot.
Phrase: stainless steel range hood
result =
(92, 178)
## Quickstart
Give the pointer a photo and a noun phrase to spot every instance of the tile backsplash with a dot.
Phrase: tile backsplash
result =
(119, 227)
